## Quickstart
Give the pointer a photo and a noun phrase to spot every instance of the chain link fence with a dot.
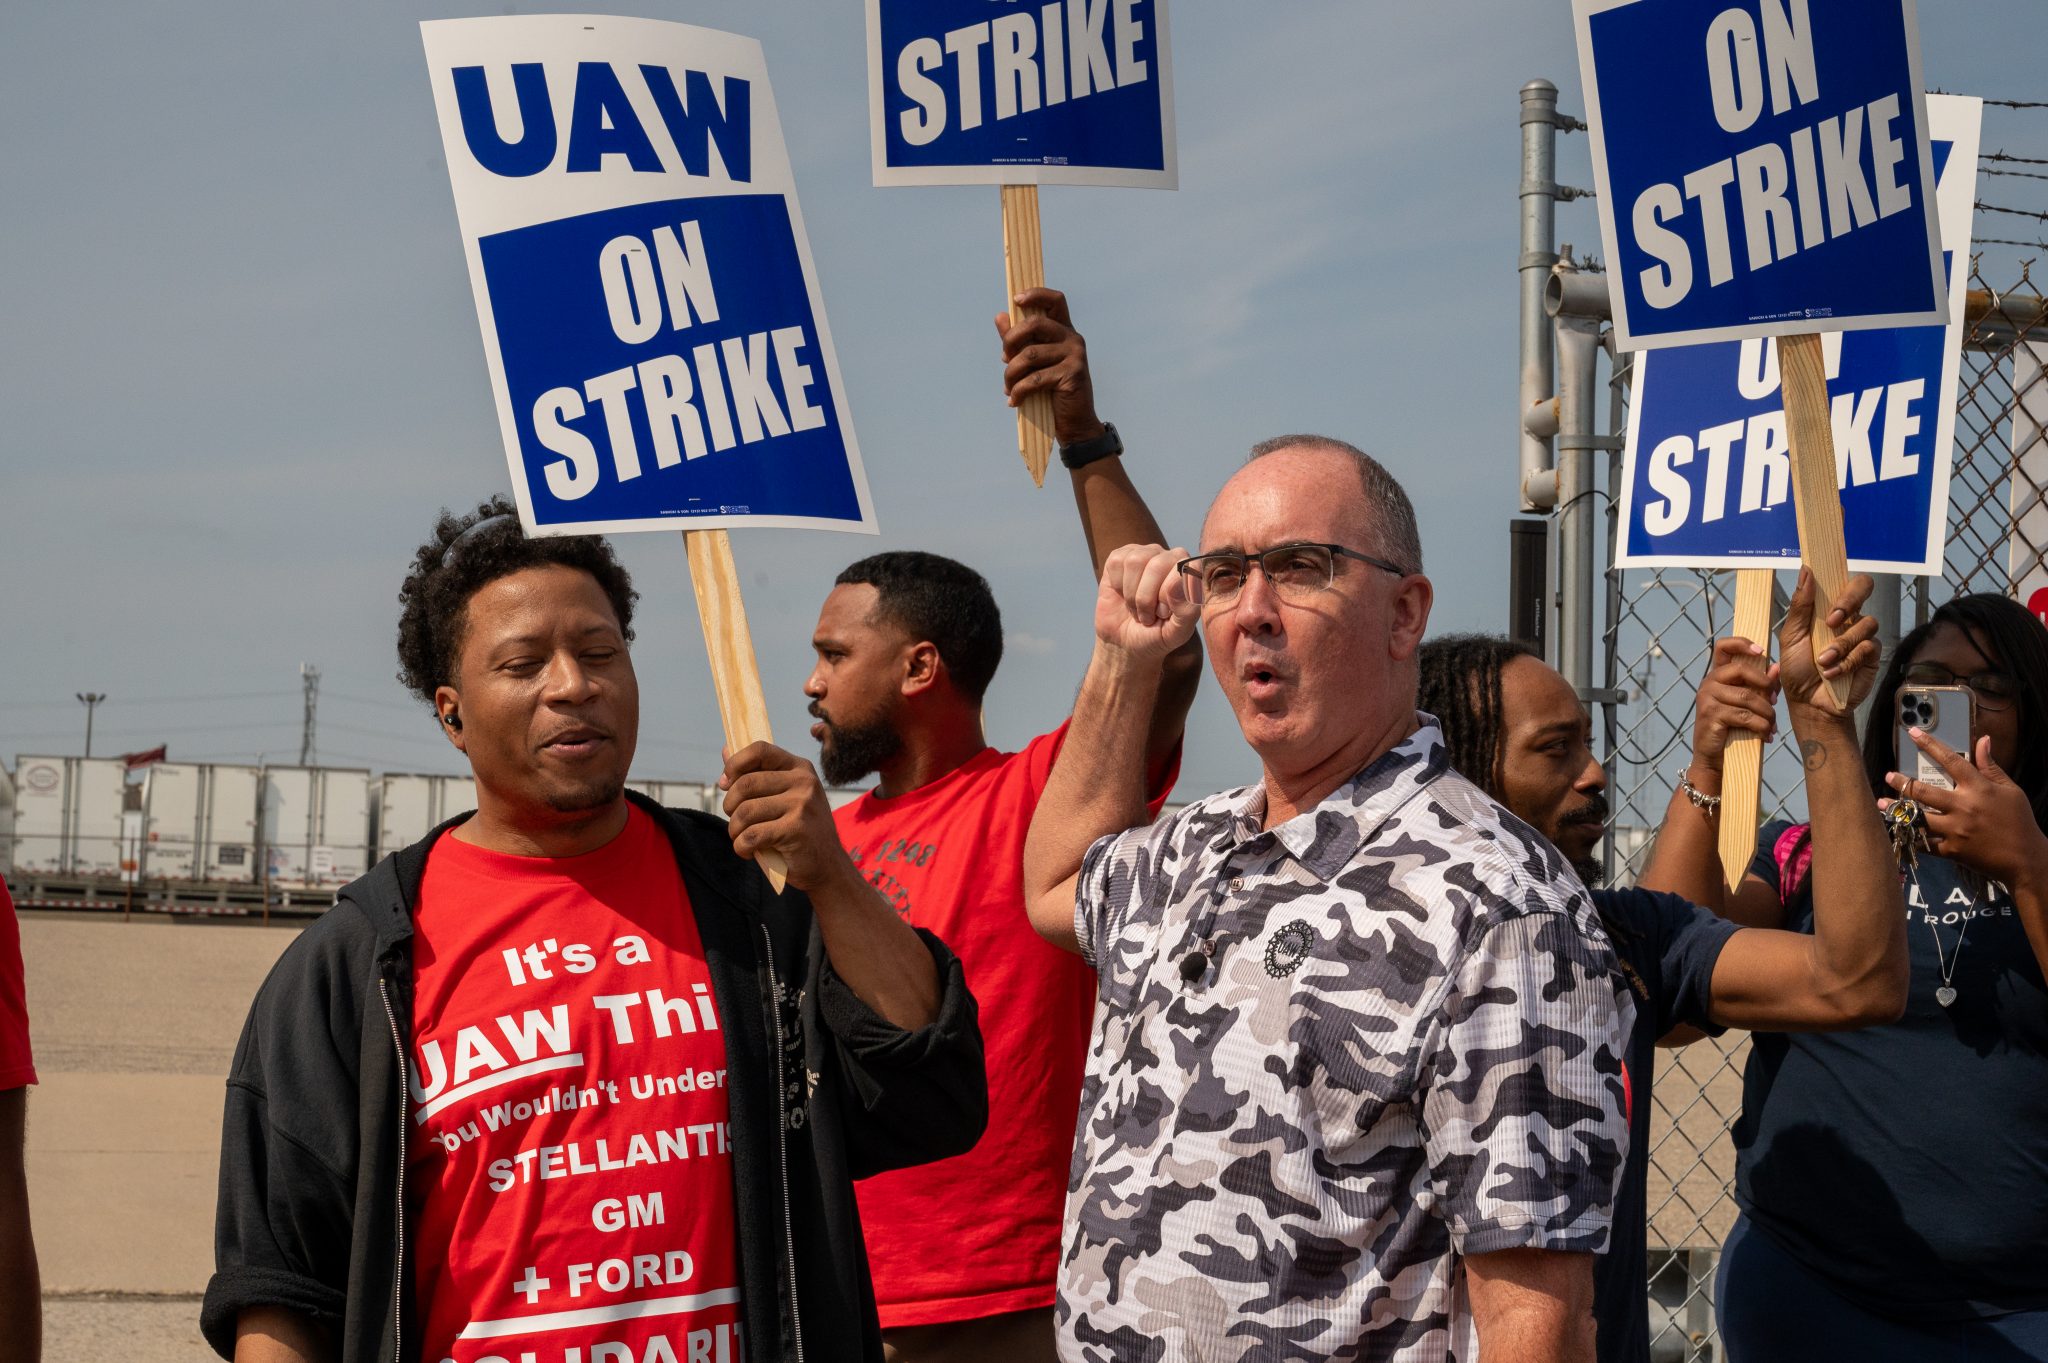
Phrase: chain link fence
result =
(1654, 632)
(1659, 630)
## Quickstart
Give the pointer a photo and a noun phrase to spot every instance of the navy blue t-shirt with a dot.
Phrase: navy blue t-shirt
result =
(1908, 1164)
(1667, 948)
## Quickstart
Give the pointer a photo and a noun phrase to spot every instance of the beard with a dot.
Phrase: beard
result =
(1591, 870)
(848, 752)
(582, 796)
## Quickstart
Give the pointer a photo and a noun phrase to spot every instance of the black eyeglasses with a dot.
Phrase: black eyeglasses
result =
(1297, 571)
(1994, 690)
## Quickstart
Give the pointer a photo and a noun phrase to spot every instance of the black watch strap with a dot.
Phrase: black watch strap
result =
(1084, 452)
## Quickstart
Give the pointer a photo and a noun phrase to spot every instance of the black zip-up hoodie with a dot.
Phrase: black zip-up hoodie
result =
(314, 1215)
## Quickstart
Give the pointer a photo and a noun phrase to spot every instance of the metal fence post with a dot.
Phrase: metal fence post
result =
(1883, 607)
(1539, 253)
(1578, 304)
(1578, 350)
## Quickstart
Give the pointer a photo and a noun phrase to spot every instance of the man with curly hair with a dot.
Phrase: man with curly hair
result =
(566, 1079)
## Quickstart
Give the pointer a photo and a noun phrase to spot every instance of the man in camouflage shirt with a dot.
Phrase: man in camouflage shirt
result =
(1356, 1088)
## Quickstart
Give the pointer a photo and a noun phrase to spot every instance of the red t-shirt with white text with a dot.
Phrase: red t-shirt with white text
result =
(979, 1234)
(568, 1145)
(17, 1065)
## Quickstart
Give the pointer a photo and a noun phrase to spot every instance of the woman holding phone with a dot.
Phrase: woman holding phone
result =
(1893, 1181)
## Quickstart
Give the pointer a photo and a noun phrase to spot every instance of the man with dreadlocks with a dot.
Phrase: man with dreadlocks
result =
(1517, 729)
(565, 1077)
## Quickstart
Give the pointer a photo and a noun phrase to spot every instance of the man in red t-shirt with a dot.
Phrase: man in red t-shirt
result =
(21, 1304)
(964, 1251)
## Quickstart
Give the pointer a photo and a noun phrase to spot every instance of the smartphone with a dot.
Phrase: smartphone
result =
(1949, 713)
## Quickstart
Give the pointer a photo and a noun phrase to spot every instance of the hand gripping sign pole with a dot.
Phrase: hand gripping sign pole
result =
(1742, 761)
(1074, 93)
(651, 319)
(1024, 267)
(1810, 435)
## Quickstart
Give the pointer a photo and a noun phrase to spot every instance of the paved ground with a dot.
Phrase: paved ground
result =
(134, 1025)
(88, 1330)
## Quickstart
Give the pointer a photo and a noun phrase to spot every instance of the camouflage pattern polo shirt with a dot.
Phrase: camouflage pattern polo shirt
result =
(1407, 1047)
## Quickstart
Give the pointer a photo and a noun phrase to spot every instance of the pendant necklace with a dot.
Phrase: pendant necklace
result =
(1907, 824)
(1945, 993)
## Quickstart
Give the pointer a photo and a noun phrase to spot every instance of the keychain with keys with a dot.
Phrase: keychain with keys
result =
(1906, 823)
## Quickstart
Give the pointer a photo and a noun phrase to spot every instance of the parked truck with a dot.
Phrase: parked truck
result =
(411, 804)
(68, 816)
(316, 825)
(199, 822)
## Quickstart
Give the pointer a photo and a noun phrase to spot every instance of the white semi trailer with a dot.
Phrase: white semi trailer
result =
(199, 822)
(316, 825)
(67, 818)
(410, 805)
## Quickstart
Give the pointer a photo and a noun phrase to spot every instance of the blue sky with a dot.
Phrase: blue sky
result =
(241, 369)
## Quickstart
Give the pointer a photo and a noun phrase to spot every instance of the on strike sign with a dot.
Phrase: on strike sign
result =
(1707, 477)
(656, 341)
(1763, 166)
(1044, 92)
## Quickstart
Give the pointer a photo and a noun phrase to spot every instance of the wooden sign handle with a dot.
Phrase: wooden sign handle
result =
(1816, 491)
(1742, 762)
(1024, 268)
(734, 673)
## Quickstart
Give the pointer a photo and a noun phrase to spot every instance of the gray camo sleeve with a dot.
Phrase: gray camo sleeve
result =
(1105, 889)
(1525, 1107)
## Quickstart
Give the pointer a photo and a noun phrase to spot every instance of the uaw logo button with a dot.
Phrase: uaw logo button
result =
(1288, 949)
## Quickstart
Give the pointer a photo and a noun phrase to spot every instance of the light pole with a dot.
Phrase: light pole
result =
(90, 700)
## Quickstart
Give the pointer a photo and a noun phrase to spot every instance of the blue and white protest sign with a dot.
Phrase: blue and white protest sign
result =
(1021, 92)
(656, 340)
(1763, 167)
(1707, 474)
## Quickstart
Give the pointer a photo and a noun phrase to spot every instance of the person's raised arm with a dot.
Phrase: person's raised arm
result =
(774, 799)
(1143, 612)
(1851, 970)
(1046, 354)
(1532, 1305)
(1736, 696)
(1733, 698)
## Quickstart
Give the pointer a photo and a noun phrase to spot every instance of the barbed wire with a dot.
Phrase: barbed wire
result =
(2019, 103)
(2021, 160)
(2008, 241)
(2022, 174)
(2034, 213)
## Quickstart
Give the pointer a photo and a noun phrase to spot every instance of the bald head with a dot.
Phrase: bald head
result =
(1332, 476)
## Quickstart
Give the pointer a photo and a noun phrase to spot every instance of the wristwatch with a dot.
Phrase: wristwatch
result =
(1084, 452)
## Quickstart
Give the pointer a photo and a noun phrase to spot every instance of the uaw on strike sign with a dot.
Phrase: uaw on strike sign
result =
(1707, 475)
(1763, 167)
(656, 340)
(1021, 92)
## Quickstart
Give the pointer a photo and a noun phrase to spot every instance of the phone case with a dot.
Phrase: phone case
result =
(1949, 713)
